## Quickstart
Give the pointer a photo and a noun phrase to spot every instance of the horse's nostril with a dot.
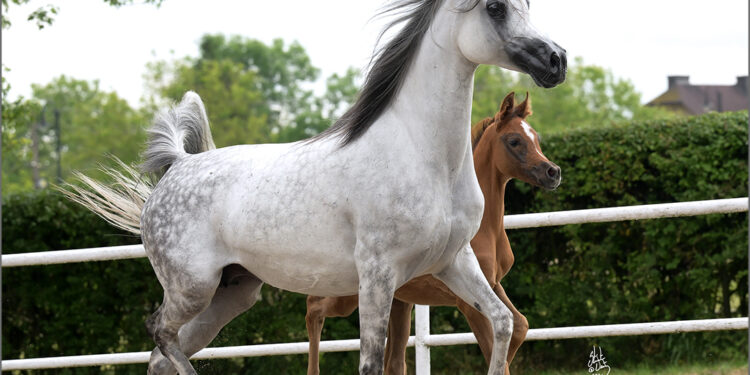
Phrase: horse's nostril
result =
(553, 172)
(554, 60)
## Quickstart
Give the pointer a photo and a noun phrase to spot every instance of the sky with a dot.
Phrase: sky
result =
(643, 41)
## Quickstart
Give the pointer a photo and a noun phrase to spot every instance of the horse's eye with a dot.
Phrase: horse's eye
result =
(497, 10)
(514, 142)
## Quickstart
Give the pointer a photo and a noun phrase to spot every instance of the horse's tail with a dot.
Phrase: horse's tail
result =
(120, 203)
(181, 130)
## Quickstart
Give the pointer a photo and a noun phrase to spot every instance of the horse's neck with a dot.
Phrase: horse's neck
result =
(493, 183)
(434, 102)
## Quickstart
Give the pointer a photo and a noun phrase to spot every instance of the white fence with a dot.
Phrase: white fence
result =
(423, 340)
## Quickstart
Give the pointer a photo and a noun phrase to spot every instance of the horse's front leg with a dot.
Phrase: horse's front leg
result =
(466, 280)
(377, 285)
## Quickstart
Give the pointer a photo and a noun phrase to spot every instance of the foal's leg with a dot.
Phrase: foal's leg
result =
(399, 329)
(520, 324)
(483, 329)
(241, 291)
(318, 309)
(466, 280)
(480, 326)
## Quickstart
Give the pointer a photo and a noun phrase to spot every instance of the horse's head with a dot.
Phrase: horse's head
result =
(514, 146)
(499, 32)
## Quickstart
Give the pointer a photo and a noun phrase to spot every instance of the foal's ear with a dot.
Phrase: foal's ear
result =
(506, 108)
(524, 109)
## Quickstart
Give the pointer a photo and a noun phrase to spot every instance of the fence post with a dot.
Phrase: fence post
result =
(422, 332)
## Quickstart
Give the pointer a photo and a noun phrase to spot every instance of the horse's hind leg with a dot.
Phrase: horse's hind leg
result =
(465, 279)
(181, 304)
(239, 290)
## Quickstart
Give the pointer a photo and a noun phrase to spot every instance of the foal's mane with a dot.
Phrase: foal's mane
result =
(478, 130)
(389, 67)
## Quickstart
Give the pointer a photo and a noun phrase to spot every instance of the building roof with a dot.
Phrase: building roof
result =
(681, 96)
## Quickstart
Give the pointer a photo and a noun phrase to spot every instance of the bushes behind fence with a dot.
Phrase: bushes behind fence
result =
(638, 271)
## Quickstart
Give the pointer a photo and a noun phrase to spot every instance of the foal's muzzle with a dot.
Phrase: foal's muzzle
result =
(544, 61)
(548, 175)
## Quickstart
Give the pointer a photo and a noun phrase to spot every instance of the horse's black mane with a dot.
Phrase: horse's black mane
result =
(388, 69)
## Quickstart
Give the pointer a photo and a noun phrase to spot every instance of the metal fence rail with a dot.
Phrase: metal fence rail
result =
(423, 340)
(596, 215)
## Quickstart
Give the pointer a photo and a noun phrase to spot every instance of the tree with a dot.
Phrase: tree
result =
(253, 92)
(20, 116)
(341, 91)
(93, 125)
(281, 71)
(16, 115)
(235, 107)
(590, 97)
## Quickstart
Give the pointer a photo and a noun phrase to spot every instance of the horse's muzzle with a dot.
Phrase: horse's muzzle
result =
(544, 61)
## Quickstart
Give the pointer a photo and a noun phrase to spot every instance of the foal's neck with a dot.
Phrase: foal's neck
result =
(492, 182)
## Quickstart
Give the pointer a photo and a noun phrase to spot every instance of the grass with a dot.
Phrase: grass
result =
(724, 368)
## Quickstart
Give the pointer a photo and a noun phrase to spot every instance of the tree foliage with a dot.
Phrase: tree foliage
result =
(16, 116)
(45, 15)
(93, 124)
(281, 71)
(321, 112)
(235, 107)
(254, 93)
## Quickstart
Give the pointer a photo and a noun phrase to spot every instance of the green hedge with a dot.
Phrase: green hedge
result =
(668, 269)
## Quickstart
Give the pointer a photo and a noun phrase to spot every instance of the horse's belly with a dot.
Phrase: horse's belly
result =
(296, 272)
(299, 258)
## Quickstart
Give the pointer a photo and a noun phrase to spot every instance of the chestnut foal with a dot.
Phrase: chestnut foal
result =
(505, 147)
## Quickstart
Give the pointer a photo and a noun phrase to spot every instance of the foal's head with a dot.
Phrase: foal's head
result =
(514, 146)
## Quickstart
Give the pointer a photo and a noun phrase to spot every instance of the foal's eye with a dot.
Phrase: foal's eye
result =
(514, 142)
(497, 10)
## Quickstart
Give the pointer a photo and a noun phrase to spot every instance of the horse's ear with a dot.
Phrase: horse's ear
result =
(524, 109)
(506, 108)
